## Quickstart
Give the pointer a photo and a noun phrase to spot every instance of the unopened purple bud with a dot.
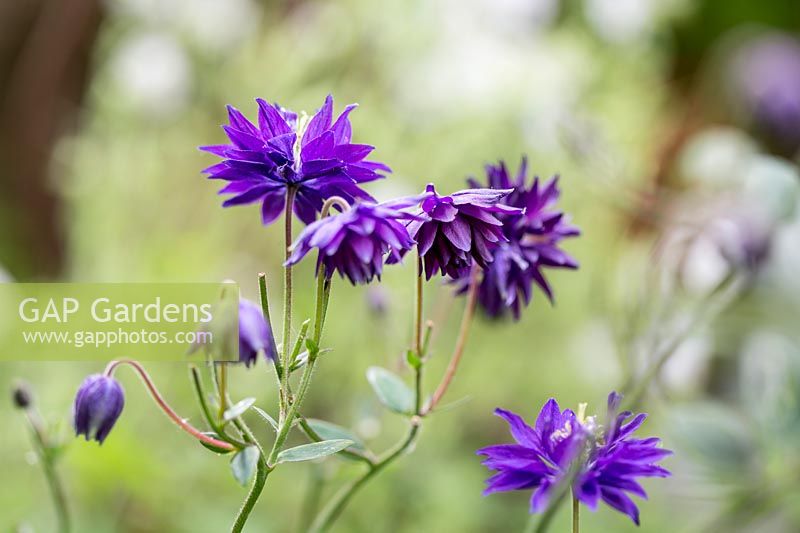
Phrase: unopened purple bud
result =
(22, 396)
(255, 334)
(97, 407)
(377, 299)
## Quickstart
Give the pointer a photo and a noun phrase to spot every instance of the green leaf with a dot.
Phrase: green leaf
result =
(315, 450)
(391, 390)
(243, 464)
(237, 410)
(268, 419)
(211, 447)
(329, 431)
(413, 359)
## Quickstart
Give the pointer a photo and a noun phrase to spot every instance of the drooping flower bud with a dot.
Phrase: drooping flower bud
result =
(97, 407)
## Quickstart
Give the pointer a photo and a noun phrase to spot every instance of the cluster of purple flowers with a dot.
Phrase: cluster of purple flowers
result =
(564, 450)
(510, 229)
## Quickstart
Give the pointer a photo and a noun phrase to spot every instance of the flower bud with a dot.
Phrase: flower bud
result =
(97, 407)
(254, 334)
(22, 396)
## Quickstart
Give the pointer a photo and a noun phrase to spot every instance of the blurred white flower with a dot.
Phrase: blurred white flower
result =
(687, 369)
(152, 71)
(620, 21)
(772, 185)
(516, 16)
(217, 25)
(704, 265)
(487, 55)
(213, 25)
(716, 156)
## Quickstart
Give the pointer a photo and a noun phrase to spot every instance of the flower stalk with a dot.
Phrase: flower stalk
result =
(576, 512)
(180, 422)
(287, 300)
(461, 341)
(44, 451)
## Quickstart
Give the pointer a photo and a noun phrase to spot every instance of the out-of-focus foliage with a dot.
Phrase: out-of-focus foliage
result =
(673, 188)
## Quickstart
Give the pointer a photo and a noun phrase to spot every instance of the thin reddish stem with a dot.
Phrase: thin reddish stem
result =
(461, 342)
(188, 428)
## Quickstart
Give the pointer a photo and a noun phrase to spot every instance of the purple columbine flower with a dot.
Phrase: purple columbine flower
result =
(531, 242)
(355, 243)
(766, 75)
(255, 334)
(263, 163)
(459, 228)
(563, 448)
(97, 406)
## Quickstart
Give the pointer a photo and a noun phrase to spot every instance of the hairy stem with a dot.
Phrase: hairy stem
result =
(461, 341)
(323, 293)
(262, 471)
(287, 299)
(180, 422)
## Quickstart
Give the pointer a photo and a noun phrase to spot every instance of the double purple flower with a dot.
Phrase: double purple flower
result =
(355, 243)
(460, 228)
(530, 244)
(264, 163)
(564, 450)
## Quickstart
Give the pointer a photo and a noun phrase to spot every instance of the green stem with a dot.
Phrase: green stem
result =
(287, 299)
(51, 474)
(536, 525)
(262, 471)
(323, 292)
(262, 292)
(212, 422)
(576, 514)
(223, 387)
(286, 424)
(335, 507)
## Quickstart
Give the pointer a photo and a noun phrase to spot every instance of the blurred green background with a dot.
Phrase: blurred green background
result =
(650, 110)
